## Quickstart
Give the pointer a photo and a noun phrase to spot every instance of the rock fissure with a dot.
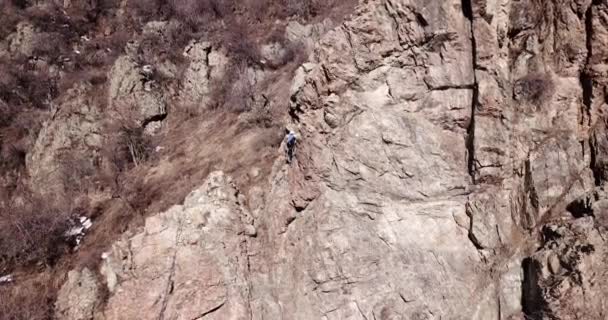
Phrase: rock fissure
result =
(215, 309)
(468, 12)
(169, 287)
(585, 79)
(155, 118)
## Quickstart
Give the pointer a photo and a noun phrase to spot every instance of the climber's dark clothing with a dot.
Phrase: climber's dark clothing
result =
(290, 146)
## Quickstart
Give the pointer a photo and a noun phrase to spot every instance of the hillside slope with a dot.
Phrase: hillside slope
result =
(450, 165)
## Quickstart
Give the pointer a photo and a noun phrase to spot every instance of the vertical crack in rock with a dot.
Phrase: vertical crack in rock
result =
(467, 10)
(587, 87)
(169, 288)
(585, 78)
(249, 282)
(294, 111)
(471, 234)
(597, 173)
(531, 297)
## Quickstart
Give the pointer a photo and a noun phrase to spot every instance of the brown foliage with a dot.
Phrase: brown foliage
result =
(128, 148)
(12, 158)
(241, 46)
(535, 88)
(193, 12)
(24, 84)
(31, 299)
(32, 232)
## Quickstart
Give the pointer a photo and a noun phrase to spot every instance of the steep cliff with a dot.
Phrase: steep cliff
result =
(450, 164)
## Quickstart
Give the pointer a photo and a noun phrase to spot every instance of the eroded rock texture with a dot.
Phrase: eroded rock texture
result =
(565, 278)
(187, 263)
(446, 151)
(75, 125)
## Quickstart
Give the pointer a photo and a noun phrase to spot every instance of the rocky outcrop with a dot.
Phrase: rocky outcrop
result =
(383, 114)
(133, 94)
(187, 263)
(78, 297)
(308, 34)
(207, 64)
(23, 40)
(76, 126)
(564, 278)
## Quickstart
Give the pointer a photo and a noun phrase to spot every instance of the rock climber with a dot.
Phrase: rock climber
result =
(290, 146)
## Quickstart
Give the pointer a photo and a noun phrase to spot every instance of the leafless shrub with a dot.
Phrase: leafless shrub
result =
(17, 131)
(77, 174)
(21, 4)
(102, 51)
(240, 45)
(90, 11)
(147, 10)
(32, 232)
(23, 84)
(12, 158)
(535, 88)
(525, 15)
(186, 111)
(166, 45)
(10, 17)
(196, 11)
(45, 45)
(307, 9)
(301, 8)
(293, 52)
(30, 299)
(131, 147)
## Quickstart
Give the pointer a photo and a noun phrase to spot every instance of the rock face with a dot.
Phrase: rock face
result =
(439, 140)
(78, 297)
(207, 64)
(563, 278)
(23, 41)
(76, 126)
(132, 94)
(387, 99)
(188, 263)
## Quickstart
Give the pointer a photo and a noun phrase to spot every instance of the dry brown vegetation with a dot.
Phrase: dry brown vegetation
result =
(535, 88)
(32, 233)
(31, 84)
(139, 179)
(32, 299)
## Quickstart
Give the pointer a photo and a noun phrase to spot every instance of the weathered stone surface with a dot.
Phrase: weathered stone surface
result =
(134, 97)
(379, 239)
(308, 34)
(207, 64)
(576, 289)
(78, 297)
(23, 41)
(187, 263)
(76, 126)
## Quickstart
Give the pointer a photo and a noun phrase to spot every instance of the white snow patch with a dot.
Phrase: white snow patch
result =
(78, 231)
(6, 279)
